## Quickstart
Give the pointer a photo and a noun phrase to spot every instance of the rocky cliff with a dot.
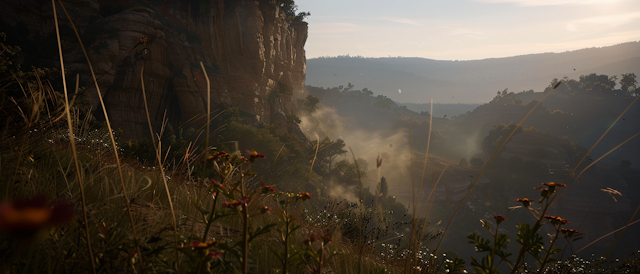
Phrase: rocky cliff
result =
(253, 54)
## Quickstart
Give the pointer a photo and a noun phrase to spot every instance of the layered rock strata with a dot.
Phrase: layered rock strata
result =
(252, 51)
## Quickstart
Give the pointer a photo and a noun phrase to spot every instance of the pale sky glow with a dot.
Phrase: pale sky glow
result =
(466, 29)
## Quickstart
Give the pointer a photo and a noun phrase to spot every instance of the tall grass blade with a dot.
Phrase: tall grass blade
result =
(206, 140)
(159, 157)
(113, 140)
(606, 235)
(73, 142)
(424, 170)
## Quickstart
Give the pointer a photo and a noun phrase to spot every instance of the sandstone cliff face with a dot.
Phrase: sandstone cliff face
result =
(253, 54)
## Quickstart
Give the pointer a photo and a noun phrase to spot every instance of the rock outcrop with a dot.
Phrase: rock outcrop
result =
(252, 51)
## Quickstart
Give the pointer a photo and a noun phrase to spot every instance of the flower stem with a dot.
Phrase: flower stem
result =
(209, 220)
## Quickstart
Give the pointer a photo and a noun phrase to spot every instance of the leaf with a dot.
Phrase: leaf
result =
(485, 224)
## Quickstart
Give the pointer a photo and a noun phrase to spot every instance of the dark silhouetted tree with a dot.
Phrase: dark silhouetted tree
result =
(309, 104)
(328, 152)
(598, 84)
(350, 172)
(628, 83)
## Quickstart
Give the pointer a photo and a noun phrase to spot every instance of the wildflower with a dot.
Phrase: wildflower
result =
(552, 186)
(544, 192)
(235, 203)
(568, 232)
(525, 202)
(216, 184)
(265, 209)
(254, 154)
(311, 239)
(304, 196)
(144, 39)
(266, 189)
(555, 220)
(216, 155)
(200, 245)
(326, 239)
(27, 216)
(215, 254)
(499, 218)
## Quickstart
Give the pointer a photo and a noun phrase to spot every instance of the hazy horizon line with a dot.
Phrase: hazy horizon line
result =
(461, 60)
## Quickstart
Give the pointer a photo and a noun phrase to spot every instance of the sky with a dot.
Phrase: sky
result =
(466, 29)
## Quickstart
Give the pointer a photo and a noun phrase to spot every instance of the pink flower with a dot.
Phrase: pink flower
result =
(215, 254)
(499, 218)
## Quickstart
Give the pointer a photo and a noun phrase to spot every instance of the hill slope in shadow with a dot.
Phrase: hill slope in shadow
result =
(475, 81)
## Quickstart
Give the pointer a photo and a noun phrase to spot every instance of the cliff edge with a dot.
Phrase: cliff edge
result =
(252, 51)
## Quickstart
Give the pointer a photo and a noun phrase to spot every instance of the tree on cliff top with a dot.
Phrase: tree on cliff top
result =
(290, 8)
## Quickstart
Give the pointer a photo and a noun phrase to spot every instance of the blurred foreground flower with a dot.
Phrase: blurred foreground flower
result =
(253, 155)
(304, 196)
(234, 203)
(555, 220)
(195, 244)
(568, 232)
(525, 201)
(28, 216)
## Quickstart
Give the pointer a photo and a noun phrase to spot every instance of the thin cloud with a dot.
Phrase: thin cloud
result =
(464, 32)
(606, 20)
(401, 20)
(335, 28)
(538, 3)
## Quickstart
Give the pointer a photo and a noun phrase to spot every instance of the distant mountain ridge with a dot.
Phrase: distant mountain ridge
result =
(415, 80)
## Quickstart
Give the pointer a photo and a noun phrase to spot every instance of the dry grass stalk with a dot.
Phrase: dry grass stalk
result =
(113, 140)
(164, 178)
(424, 170)
(206, 140)
(73, 142)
